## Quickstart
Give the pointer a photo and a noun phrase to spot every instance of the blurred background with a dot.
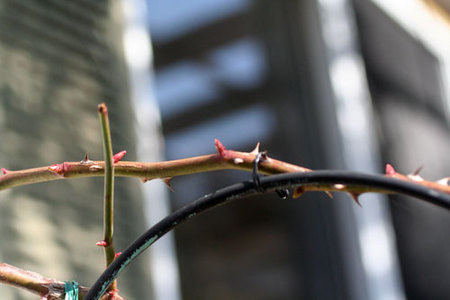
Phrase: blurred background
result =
(326, 84)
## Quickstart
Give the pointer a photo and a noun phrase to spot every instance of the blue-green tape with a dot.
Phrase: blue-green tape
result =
(71, 289)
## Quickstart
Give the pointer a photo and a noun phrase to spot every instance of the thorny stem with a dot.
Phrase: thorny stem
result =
(224, 159)
(108, 202)
(227, 159)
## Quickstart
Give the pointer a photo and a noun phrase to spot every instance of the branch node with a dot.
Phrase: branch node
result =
(4, 171)
(57, 168)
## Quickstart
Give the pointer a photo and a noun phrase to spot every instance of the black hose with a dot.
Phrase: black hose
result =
(268, 183)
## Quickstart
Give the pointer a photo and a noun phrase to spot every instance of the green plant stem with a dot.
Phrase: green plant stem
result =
(108, 201)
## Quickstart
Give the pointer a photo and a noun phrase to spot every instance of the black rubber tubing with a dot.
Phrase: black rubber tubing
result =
(268, 184)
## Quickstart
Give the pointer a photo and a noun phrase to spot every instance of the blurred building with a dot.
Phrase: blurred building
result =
(327, 84)
(324, 84)
(58, 61)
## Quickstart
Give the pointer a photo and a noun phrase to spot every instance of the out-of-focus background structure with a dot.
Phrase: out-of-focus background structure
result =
(327, 84)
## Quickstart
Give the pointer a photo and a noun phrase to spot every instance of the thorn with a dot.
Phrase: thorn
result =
(417, 171)
(355, 196)
(329, 194)
(415, 176)
(298, 192)
(167, 180)
(118, 156)
(86, 160)
(4, 171)
(117, 255)
(390, 171)
(101, 243)
(256, 150)
(444, 181)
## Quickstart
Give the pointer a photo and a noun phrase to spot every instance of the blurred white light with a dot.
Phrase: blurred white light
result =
(376, 253)
(138, 52)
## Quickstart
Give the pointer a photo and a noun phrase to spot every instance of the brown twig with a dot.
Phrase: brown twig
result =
(224, 159)
(46, 288)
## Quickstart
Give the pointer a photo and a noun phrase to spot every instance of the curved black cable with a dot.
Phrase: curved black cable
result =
(268, 183)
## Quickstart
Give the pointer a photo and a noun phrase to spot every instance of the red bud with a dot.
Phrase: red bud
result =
(390, 171)
(101, 244)
(57, 168)
(219, 147)
(118, 156)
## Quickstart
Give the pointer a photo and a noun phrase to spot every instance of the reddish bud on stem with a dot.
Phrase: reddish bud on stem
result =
(4, 171)
(118, 156)
(390, 171)
(219, 146)
(57, 168)
(223, 152)
(101, 244)
(112, 294)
